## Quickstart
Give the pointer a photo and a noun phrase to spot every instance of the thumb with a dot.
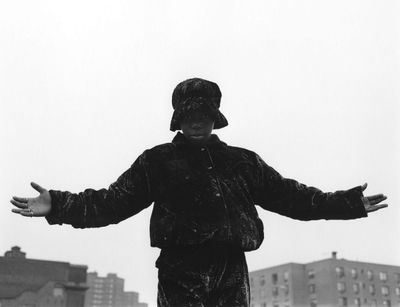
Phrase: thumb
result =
(364, 186)
(37, 187)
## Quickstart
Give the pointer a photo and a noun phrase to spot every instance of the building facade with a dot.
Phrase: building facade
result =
(328, 282)
(39, 283)
(109, 292)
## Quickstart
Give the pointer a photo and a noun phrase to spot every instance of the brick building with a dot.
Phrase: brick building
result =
(40, 283)
(109, 292)
(327, 282)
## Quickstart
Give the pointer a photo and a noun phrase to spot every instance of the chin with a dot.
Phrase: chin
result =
(198, 138)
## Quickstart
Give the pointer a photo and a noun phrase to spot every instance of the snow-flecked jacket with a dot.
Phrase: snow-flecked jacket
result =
(202, 195)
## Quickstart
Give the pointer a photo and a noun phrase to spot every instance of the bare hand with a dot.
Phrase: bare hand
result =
(38, 206)
(371, 202)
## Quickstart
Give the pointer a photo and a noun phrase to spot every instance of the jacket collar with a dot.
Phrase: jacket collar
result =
(214, 141)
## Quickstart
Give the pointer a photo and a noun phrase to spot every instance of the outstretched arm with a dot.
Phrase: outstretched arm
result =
(92, 208)
(293, 199)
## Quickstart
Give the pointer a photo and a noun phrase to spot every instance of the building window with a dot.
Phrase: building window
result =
(341, 286)
(286, 276)
(274, 278)
(311, 288)
(385, 290)
(372, 289)
(262, 280)
(342, 301)
(356, 288)
(263, 293)
(370, 275)
(354, 273)
(264, 304)
(397, 291)
(313, 303)
(383, 276)
(286, 289)
(357, 302)
(275, 291)
(397, 277)
(58, 292)
(339, 271)
(386, 303)
(311, 274)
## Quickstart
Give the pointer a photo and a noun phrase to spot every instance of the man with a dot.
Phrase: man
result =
(204, 193)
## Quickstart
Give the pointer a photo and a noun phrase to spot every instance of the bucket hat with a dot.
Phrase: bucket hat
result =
(197, 94)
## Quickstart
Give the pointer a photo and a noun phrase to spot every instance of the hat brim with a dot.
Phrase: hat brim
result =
(220, 120)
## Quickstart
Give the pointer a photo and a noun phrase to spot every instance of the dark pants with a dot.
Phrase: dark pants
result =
(203, 276)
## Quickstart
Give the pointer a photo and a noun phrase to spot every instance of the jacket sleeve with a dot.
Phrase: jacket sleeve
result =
(298, 201)
(127, 196)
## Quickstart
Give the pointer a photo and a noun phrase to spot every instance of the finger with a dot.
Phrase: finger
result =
(27, 213)
(24, 212)
(19, 204)
(376, 200)
(364, 186)
(374, 208)
(37, 187)
(21, 199)
(377, 196)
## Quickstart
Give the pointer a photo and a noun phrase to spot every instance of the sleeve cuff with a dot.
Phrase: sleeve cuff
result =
(54, 217)
(355, 206)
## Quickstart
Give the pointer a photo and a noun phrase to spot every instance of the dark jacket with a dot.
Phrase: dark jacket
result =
(202, 195)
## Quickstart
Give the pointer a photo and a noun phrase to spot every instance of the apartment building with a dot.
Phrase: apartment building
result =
(109, 291)
(40, 283)
(327, 282)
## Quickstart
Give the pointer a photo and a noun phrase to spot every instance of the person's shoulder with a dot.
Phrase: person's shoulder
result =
(244, 155)
(240, 151)
(160, 150)
(164, 147)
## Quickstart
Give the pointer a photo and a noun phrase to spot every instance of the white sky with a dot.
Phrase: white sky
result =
(311, 86)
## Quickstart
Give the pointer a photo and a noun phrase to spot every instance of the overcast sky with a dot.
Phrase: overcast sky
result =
(311, 86)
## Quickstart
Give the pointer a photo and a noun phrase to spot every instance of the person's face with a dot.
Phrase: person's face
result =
(197, 126)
